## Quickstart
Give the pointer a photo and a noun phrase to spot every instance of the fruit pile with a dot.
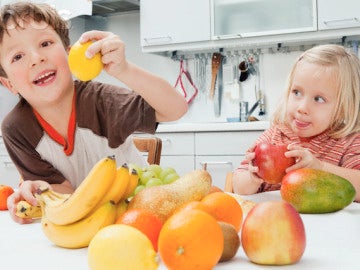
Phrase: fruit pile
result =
(154, 175)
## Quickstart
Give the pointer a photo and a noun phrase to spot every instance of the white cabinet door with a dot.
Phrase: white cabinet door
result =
(170, 22)
(182, 164)
(335, 14)
(244, 18)
(8, 172)
(218, 167)
(177, 151)
(222, 152)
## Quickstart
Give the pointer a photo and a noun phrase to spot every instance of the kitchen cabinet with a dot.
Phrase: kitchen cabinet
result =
(218, 152)
(222, 152)
(243, 18)
(334, 14)
(66, 8)
(166, 22)
(8, 172)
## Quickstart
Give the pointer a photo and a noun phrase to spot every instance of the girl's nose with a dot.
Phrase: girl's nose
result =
(303, 106)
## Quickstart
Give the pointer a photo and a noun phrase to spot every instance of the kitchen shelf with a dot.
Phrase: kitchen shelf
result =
(213, 126)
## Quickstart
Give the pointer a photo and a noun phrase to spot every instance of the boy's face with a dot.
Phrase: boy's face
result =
(35, 62)
(312, 100)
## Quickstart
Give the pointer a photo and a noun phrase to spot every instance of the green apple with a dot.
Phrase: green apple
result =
(138, 189)
(170, 178)
(155, 168)
(153, 182)
(146, 176)
(166, 171)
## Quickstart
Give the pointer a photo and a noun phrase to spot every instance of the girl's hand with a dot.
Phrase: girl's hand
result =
(304, 158)
(25, 192)
(111, 47)
(253, 170)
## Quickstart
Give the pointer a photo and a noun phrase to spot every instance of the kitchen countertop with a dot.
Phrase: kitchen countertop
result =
(212, 126)
(332, 244)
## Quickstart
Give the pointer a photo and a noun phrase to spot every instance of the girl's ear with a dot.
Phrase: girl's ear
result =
(6, 82)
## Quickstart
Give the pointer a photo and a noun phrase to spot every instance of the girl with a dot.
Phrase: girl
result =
(318, 118)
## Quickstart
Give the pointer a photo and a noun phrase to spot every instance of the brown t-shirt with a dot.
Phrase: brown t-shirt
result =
(102, 119)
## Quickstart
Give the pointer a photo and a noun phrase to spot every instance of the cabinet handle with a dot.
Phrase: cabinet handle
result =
(228, 36)
(205, 163)
(342, 21)
(158, 40)
(8, 164)
(166, 141)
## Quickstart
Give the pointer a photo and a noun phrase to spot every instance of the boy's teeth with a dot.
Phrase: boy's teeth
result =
(44, 78)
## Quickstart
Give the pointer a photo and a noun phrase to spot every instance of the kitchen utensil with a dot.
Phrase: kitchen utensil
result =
(218, 91)
(215, 65)
(243, 66)
(179, 81)
(243, 111)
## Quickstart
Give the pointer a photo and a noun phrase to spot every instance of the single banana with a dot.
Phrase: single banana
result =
(85, 198)
(133, 181)
(121, 208)
(26, 210)
(80, 233)
(118, 188)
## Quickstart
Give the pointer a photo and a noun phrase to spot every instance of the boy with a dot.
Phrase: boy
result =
(60, 128)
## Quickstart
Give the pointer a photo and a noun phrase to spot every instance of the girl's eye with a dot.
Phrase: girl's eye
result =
(296, 92)
(319, 99)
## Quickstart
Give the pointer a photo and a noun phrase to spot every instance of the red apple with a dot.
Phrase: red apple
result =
(272, 162)
(273, 233)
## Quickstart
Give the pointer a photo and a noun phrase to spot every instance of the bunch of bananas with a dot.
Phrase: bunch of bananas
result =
(71, 220)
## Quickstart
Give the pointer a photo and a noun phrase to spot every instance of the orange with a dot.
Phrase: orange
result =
(83, 68)
(191, 239)
(223, 207)
(5, 192)
(145, 221)
(120, 246)
(215, 189)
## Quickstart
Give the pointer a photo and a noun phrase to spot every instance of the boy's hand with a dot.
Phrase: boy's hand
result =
(26, 192)
(304, 158)
(111, 47)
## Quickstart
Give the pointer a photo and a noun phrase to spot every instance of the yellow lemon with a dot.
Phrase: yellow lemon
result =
(81, 67)
(121, 246)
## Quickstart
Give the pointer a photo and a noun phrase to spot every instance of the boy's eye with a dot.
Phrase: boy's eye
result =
(45, 43)
(17, 57)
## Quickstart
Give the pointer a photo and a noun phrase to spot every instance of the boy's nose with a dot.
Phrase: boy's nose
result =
(36, 58)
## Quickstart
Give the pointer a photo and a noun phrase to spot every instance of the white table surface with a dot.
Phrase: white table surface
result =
(333, 242)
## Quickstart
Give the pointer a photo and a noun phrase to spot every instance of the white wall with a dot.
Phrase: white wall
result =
(273, 71)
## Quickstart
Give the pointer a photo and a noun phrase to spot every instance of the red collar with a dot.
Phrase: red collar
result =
(69, 145)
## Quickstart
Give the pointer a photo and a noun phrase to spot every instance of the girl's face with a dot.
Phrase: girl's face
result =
(312, 99)
(35, 62)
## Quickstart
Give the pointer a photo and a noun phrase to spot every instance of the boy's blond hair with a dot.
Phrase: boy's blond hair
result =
(346, 68)
(24, 11)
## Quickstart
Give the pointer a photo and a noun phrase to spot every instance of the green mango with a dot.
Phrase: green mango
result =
(313, 191)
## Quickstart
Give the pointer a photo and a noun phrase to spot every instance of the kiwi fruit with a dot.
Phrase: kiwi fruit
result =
(231, 241)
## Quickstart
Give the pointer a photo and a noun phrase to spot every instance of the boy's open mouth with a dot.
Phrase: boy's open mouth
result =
(45, 78)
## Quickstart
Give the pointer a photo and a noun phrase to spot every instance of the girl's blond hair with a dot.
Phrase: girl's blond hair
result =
(12, 15)
(346, 67)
